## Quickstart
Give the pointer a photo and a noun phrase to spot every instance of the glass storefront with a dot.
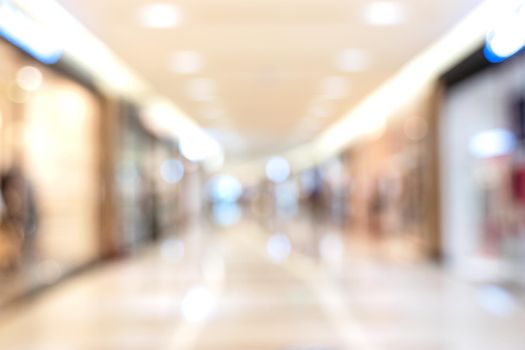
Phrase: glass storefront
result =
(389, 182)
(148, 172)
(49, 167)
(483, 148)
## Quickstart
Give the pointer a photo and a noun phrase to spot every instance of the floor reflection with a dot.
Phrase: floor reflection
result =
(248, 286)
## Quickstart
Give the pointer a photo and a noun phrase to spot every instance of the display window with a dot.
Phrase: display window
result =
(149, 171)
(483, 148)
(49, 168)
(389, 184)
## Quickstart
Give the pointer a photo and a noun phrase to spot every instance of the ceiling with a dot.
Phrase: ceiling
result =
(263, 76)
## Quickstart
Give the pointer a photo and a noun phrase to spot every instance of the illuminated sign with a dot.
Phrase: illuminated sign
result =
(507, 38)
(27, 34)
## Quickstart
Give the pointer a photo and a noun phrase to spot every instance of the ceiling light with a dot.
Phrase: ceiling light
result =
(507, 38)
(29, 35)
(201, 89)
(198, 148)
(384, 13)
(353, 60)
(334, 88)
(159, 15)
(186, 62)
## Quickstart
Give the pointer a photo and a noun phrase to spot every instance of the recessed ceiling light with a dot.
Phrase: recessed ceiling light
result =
(334, 88)
(353, 60)
(201, 89)
(159, 15)
(384, 13)
(186, 62)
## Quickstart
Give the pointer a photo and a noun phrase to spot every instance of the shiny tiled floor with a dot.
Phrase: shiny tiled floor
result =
(240, 288)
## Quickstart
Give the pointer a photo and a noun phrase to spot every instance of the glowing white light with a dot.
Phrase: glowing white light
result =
(186, 62)
(31, 36)
(279, 247)
(172, 171)
(159, 15)
(492, 143)
(172, 250)
(496, 301)
(384, 13)
(224, 188)
(334, 88)
(201, 89)
(353, 60)
(197, 304)
(198, 148)
(226, 214)
(29, 78)
(277, 169)
(509, 37)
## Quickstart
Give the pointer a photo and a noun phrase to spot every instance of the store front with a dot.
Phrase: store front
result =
(390, 180)
(49, 166)
(483, 159)
(148, 171)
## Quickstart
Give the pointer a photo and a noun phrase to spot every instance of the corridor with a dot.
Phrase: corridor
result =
(245, 288)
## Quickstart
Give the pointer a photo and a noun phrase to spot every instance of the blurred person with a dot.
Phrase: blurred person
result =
(19, 219)
(377, 205)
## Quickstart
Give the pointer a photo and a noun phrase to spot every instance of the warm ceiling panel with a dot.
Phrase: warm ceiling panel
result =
(265, 62)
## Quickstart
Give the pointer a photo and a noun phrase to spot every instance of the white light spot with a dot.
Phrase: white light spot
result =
(509, 36)
(224, 188)
(197, 304)
(226, 214)
(159, 15)
(492, 143)
(384, 13)
(496, 301)
(198, 148)
(172, 171)
(29, 78)
(277, 169)
(279, 247)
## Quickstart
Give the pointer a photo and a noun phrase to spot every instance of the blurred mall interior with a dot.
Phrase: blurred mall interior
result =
(262, 174)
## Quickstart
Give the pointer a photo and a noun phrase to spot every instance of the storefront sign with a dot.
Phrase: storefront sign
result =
(27, 34)
(507, 38)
